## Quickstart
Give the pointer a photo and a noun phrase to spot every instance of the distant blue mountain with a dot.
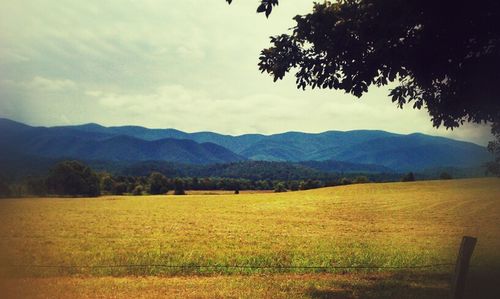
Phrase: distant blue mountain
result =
(86, 144)
(373, 150)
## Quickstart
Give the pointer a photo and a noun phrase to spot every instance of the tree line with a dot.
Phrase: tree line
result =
(73, 178)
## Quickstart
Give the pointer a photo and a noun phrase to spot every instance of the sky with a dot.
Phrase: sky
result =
(184, 64)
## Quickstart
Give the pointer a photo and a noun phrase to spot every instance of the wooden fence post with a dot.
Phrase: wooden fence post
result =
(462, 267)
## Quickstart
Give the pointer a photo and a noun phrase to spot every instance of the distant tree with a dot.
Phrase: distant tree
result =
(138, 190)
(236, 191)
(4, 188)
(36, 186)
(262, 185)
(73, 178)
(293, 186)
(310, 184)
(280, 187)
(409, 177)
(158, 183)
(361, 180)
(17, 190)
(445, 176)
(345, 181)
(119, 188)
(130, 185)
(195, 184)
(179, 187)
(106, 182)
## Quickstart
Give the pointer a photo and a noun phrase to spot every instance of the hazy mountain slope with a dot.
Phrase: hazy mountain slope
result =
(235, 144)
(395, 151)
(415, 152)
(63, 142)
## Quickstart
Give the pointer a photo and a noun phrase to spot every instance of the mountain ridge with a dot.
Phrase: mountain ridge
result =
(399, 152)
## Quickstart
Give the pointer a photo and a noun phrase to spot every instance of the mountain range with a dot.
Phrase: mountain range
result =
(371, 149)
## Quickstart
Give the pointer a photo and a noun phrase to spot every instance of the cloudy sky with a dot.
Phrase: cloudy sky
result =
(185, 64)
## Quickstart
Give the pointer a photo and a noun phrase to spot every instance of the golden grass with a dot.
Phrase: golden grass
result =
(223, 192)
(396, 224)
(380, 285)
(391, 225)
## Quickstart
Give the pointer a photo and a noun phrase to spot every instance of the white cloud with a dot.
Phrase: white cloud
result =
(41, 83)
(186, 64)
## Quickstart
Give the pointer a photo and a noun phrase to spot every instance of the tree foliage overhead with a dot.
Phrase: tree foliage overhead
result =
(494, 147)
(266, 6)
(444, 54)
(440, 55)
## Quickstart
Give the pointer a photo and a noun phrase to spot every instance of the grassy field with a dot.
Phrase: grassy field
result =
(373, 225)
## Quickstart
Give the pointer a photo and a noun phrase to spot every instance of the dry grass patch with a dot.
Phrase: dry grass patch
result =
(390, 225)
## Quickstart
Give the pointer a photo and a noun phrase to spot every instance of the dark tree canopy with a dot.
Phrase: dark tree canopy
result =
(73, 178)
(158, 183)
(494, 147)
(4, 188)
(179, 187)
(266, 6)
(442, 56)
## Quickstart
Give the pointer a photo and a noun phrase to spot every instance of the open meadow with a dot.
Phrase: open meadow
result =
(362, 241)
